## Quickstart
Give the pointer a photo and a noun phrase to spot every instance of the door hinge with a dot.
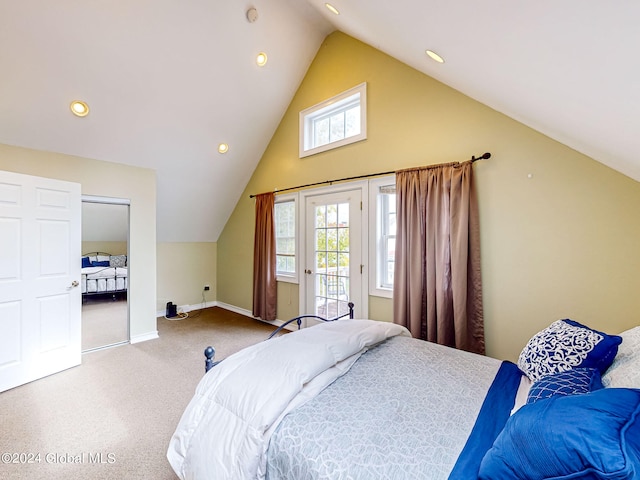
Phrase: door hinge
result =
(361, 268)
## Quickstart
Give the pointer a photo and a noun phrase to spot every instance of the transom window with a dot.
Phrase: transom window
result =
(338, 121)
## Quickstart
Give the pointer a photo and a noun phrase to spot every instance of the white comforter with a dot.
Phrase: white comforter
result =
(224, 432)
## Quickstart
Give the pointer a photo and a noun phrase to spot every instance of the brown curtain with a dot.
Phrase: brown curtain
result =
(264, 259)
(437, 291)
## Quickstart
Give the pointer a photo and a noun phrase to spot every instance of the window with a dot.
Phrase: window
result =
(286, 251)
(386, 256)
(339, 121)
(382, 193)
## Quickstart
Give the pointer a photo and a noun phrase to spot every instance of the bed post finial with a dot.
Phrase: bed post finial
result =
(209, 353)
(351, 305)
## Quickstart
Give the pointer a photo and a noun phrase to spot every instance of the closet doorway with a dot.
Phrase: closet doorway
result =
(105, 279)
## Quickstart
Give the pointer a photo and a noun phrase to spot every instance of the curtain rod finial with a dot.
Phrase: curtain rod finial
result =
(484, 156)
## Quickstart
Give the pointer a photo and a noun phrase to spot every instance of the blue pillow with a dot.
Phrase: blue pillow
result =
(593, 436)
(566, 344)
(100, 264)
(86, 262)
(571, 382)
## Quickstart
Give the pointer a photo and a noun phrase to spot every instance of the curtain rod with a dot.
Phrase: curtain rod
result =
(484, 156)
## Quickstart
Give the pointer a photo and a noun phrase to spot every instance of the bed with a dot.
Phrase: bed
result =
(103, 273)
(361, 399)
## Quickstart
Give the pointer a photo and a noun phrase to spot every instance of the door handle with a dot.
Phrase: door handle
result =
(308, 272)
(74, 283)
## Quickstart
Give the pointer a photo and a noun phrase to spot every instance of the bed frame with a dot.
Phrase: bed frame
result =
(210, 352)
(113, 293)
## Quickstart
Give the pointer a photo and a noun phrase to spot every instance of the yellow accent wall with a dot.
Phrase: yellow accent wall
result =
(559, 230)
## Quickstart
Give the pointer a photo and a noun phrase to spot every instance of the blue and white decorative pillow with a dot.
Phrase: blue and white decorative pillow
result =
(572, 382)
(565, 345)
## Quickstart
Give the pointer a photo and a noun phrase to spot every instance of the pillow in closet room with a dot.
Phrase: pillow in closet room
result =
(564, 345)
(118, 261)
(624, 372)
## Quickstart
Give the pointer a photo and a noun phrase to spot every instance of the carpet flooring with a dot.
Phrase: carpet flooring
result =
(105, 321)
(112, 417)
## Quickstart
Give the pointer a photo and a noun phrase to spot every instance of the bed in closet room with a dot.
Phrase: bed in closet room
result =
(103, 273)
(361, 399)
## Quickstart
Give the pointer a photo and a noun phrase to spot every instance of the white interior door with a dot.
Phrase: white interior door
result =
(333, 254)
(40, 298)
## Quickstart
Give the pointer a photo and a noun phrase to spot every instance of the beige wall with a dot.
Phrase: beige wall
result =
(559, 230)
(110, 180)
(183, 271)
(114, 248)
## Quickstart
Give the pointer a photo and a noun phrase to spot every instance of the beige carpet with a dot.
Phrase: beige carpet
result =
(105, 321)
(115, 413)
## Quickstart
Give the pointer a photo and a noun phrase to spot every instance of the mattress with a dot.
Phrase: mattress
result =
(335, 401)
(404, 410)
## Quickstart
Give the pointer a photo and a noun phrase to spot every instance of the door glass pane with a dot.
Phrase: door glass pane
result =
(332, 239)
(321, 213)
(332, 259)
(321, 239)
(321, 262)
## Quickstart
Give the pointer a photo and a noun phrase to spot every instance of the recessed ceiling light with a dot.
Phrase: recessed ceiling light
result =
(435, 56)
(79, 109)
(261, 59)
(223, 148)
(332, 9)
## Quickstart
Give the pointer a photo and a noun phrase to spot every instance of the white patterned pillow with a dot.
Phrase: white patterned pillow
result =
(118, 261)
(624, 372)
(567, 344)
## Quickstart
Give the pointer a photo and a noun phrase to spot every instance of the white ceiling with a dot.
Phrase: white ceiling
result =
(168, 80)
(104, 222)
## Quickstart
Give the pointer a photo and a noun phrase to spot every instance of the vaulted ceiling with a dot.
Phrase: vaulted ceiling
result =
(168, 81)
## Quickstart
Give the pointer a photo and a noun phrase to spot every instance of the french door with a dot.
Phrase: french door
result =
(333, 254)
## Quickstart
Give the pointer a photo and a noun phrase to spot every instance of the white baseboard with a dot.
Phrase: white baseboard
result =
(144, 337)
(247, 313)
(231, 308)
(188, 308)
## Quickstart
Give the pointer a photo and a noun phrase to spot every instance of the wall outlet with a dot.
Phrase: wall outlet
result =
(206, 288)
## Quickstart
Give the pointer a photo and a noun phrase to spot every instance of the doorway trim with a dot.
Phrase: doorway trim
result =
(125, 202)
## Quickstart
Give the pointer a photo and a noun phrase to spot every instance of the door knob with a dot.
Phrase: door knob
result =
(308, 272)
(74, 283)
